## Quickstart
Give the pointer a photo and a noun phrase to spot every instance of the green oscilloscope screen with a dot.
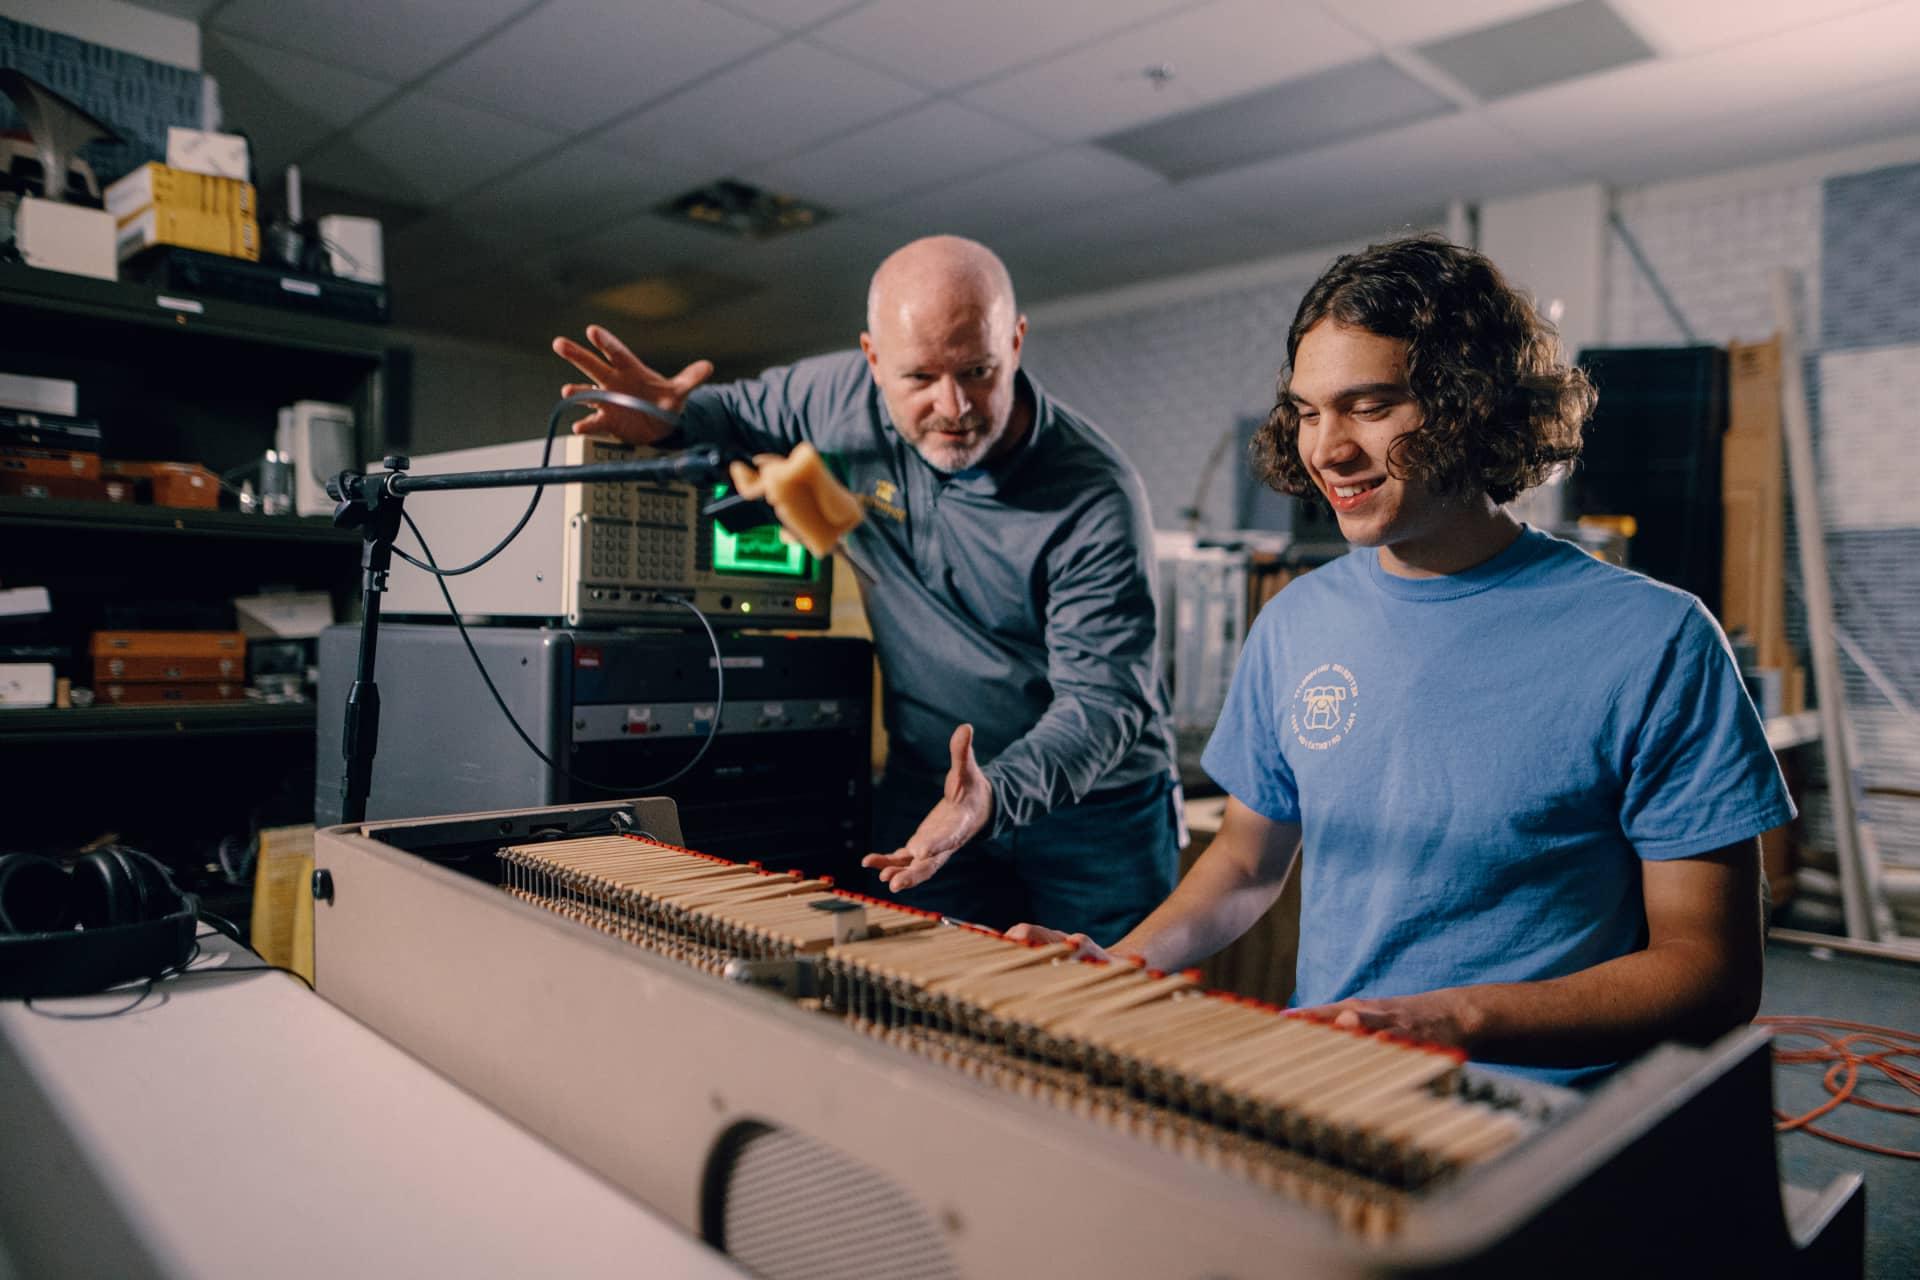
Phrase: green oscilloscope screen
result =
(765, 549)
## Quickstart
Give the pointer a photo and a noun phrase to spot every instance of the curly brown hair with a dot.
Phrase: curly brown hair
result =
(1498, 410)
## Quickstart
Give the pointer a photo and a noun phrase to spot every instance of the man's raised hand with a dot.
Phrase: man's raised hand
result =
(613, 367)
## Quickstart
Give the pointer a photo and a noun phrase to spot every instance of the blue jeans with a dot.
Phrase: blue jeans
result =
(1097, 867)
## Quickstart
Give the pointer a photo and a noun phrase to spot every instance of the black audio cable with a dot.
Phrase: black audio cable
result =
(719, 671)
(187, 968)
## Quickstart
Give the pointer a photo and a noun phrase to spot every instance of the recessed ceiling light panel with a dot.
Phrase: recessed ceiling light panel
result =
(741, 210)
(1540, 49)
(1313, 111)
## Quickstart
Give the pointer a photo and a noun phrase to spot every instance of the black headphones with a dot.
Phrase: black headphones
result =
(115, 916)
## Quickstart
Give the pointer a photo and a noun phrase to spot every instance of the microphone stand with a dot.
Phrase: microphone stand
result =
(372, 503)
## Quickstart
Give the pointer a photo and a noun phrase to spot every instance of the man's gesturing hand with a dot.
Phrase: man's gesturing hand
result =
(960, 816)
(614, 368)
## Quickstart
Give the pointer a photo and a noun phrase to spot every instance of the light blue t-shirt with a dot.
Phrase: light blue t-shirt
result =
(1480, 761)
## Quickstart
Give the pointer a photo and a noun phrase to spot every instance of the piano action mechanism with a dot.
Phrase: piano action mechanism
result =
(821, 1083)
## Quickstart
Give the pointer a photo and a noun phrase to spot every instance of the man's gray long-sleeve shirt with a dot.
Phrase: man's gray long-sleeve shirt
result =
(1017, 597)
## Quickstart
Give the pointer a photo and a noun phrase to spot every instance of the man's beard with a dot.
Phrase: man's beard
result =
(948, 454)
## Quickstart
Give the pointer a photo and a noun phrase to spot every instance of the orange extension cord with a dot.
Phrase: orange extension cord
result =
(1862, 1045)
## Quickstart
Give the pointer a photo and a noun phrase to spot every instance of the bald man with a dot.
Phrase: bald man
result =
(1007, 567)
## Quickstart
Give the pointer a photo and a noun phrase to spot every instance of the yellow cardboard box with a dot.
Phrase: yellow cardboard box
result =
(283, 899)
(189, 229)
(157, 186)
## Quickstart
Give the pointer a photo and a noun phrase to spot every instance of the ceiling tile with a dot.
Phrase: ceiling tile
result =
(1021, 194)
(1771, 75)
(780, 102)
(1880, 111)
(192, 10)
(1056, 263)
(747, 335)
(285, 102)
(1402, 173)
(573, 64)
(425, 150)
(1315, 110)
(790, 15)
(1409, 22)
(471, 308)
(1566, 43)
(388, 39)
(1216, 51)
(840, 253)
(557, 197)
(683, 167)
(641, 245)
(944, 45)
(440, 248)
(1694, 28)
(1112, 229)
(798, 309)
(942, 141)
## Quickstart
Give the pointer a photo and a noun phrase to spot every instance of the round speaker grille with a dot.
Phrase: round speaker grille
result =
(789, 1208)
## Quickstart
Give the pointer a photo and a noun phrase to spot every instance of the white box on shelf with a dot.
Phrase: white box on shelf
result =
(26, 684)
(66, 237)
(25, 602)
(286, 615)
(39, 395)
(353, 248)
(218, 155)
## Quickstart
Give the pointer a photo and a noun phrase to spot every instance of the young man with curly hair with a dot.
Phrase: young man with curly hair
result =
(1521, 788)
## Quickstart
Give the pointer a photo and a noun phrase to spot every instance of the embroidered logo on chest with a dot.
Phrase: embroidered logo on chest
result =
(885, 499)
(1325, 705)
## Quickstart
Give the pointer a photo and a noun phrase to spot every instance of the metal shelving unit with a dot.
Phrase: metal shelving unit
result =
(165, 721)
(54, 516)
(188, 378)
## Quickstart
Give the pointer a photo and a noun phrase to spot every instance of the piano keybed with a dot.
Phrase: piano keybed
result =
(1349, 1121)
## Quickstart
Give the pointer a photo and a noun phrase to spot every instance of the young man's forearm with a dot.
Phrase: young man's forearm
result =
(1682, 990)
(1223, 896)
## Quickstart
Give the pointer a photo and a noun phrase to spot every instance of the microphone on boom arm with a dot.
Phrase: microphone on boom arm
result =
(797, 489)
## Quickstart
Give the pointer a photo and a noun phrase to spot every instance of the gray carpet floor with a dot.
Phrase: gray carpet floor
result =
(1804, 983)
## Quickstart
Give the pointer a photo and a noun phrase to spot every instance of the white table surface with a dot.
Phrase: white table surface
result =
(242, 1126)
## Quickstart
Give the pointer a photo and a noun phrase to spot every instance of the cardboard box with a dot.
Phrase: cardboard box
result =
(283, 899)
(39, 395)
(299, 615)
(1753, 497)
(66, 237)
(26, 684)
(160, 186)
(219, 155)
(189, 229)
(354, 248)
(157, 204)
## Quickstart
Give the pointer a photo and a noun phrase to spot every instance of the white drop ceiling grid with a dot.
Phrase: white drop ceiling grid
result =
(517, 147)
